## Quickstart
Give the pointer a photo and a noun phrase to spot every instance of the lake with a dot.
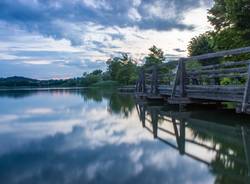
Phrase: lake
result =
(99, 136)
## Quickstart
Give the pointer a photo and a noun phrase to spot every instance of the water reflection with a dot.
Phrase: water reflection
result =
(96, 136)
(118, 103)
(226, 143)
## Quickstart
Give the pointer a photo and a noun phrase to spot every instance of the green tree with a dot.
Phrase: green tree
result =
(91, 78)
(200, 45)
(122, 69)
(156, 56)
(230, 19)
(230, 13)
(114, 65)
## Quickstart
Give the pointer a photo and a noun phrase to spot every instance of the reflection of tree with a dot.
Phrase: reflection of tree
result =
(220, 133)
(17, 93)
(117, 103)
(229, 163)
(21, 93)
(121, 104)
(96, 95)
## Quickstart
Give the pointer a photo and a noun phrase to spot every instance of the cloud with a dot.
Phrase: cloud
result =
(70, 19)
(80, 35)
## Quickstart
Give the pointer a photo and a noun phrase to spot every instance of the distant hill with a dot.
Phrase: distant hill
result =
(17, 81)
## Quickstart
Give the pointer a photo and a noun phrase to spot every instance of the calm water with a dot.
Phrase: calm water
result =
(94, 136)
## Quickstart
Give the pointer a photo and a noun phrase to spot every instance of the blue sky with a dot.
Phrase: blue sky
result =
(64, 38)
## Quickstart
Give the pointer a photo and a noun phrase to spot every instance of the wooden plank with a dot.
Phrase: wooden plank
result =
(218, 92)
(154, 97)
(214, 97)
(238, 75)
(220, 54)
(180, 100)
(229, 87)
(226, 64)
(215, 88)
(219, 71)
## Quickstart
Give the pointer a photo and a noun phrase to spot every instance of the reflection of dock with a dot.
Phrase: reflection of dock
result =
(229, 145)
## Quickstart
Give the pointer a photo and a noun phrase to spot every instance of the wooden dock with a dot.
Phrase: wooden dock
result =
(178, 83)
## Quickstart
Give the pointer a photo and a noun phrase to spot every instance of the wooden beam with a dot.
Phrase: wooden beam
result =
(226, 64)
(182, 78)
(176, 80)
(220, 54)
(219, 71)
(246, 92)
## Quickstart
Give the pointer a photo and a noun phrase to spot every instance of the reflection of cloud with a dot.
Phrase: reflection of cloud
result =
(110, 163)
(5, 118)
(40, 111)
(80, 142)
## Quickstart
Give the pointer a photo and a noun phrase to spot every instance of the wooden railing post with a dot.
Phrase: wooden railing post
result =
(246, 147)
(143, 83)
(154, 118)
(182, 78)
(154, 81)
(176, 80)
(246, 92)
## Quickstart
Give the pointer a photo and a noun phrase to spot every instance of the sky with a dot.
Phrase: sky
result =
(64, 38)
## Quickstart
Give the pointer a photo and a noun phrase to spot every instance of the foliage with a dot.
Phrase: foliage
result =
(156, 56)
(91, 78)
(230, 19)
(202, 44)
(230, 13)
(122, 69)
(107, 83)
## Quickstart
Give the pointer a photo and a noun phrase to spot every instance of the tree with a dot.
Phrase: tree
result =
(217, 16)
(122, 69)
(230, 19)
(230, 13)
(128, 73)
(156, 56)
(200, 45)
(114, 65)
(91, 78)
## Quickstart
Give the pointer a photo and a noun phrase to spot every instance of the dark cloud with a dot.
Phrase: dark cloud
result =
(66, 19)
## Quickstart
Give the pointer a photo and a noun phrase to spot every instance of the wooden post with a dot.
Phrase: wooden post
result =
(182, 136)
(137, 85)
(143, 115)
(176, 80)
(182, 78)
(154, 117)
(143, 82)
(154, 81)
(246, 92)
(246, 148)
